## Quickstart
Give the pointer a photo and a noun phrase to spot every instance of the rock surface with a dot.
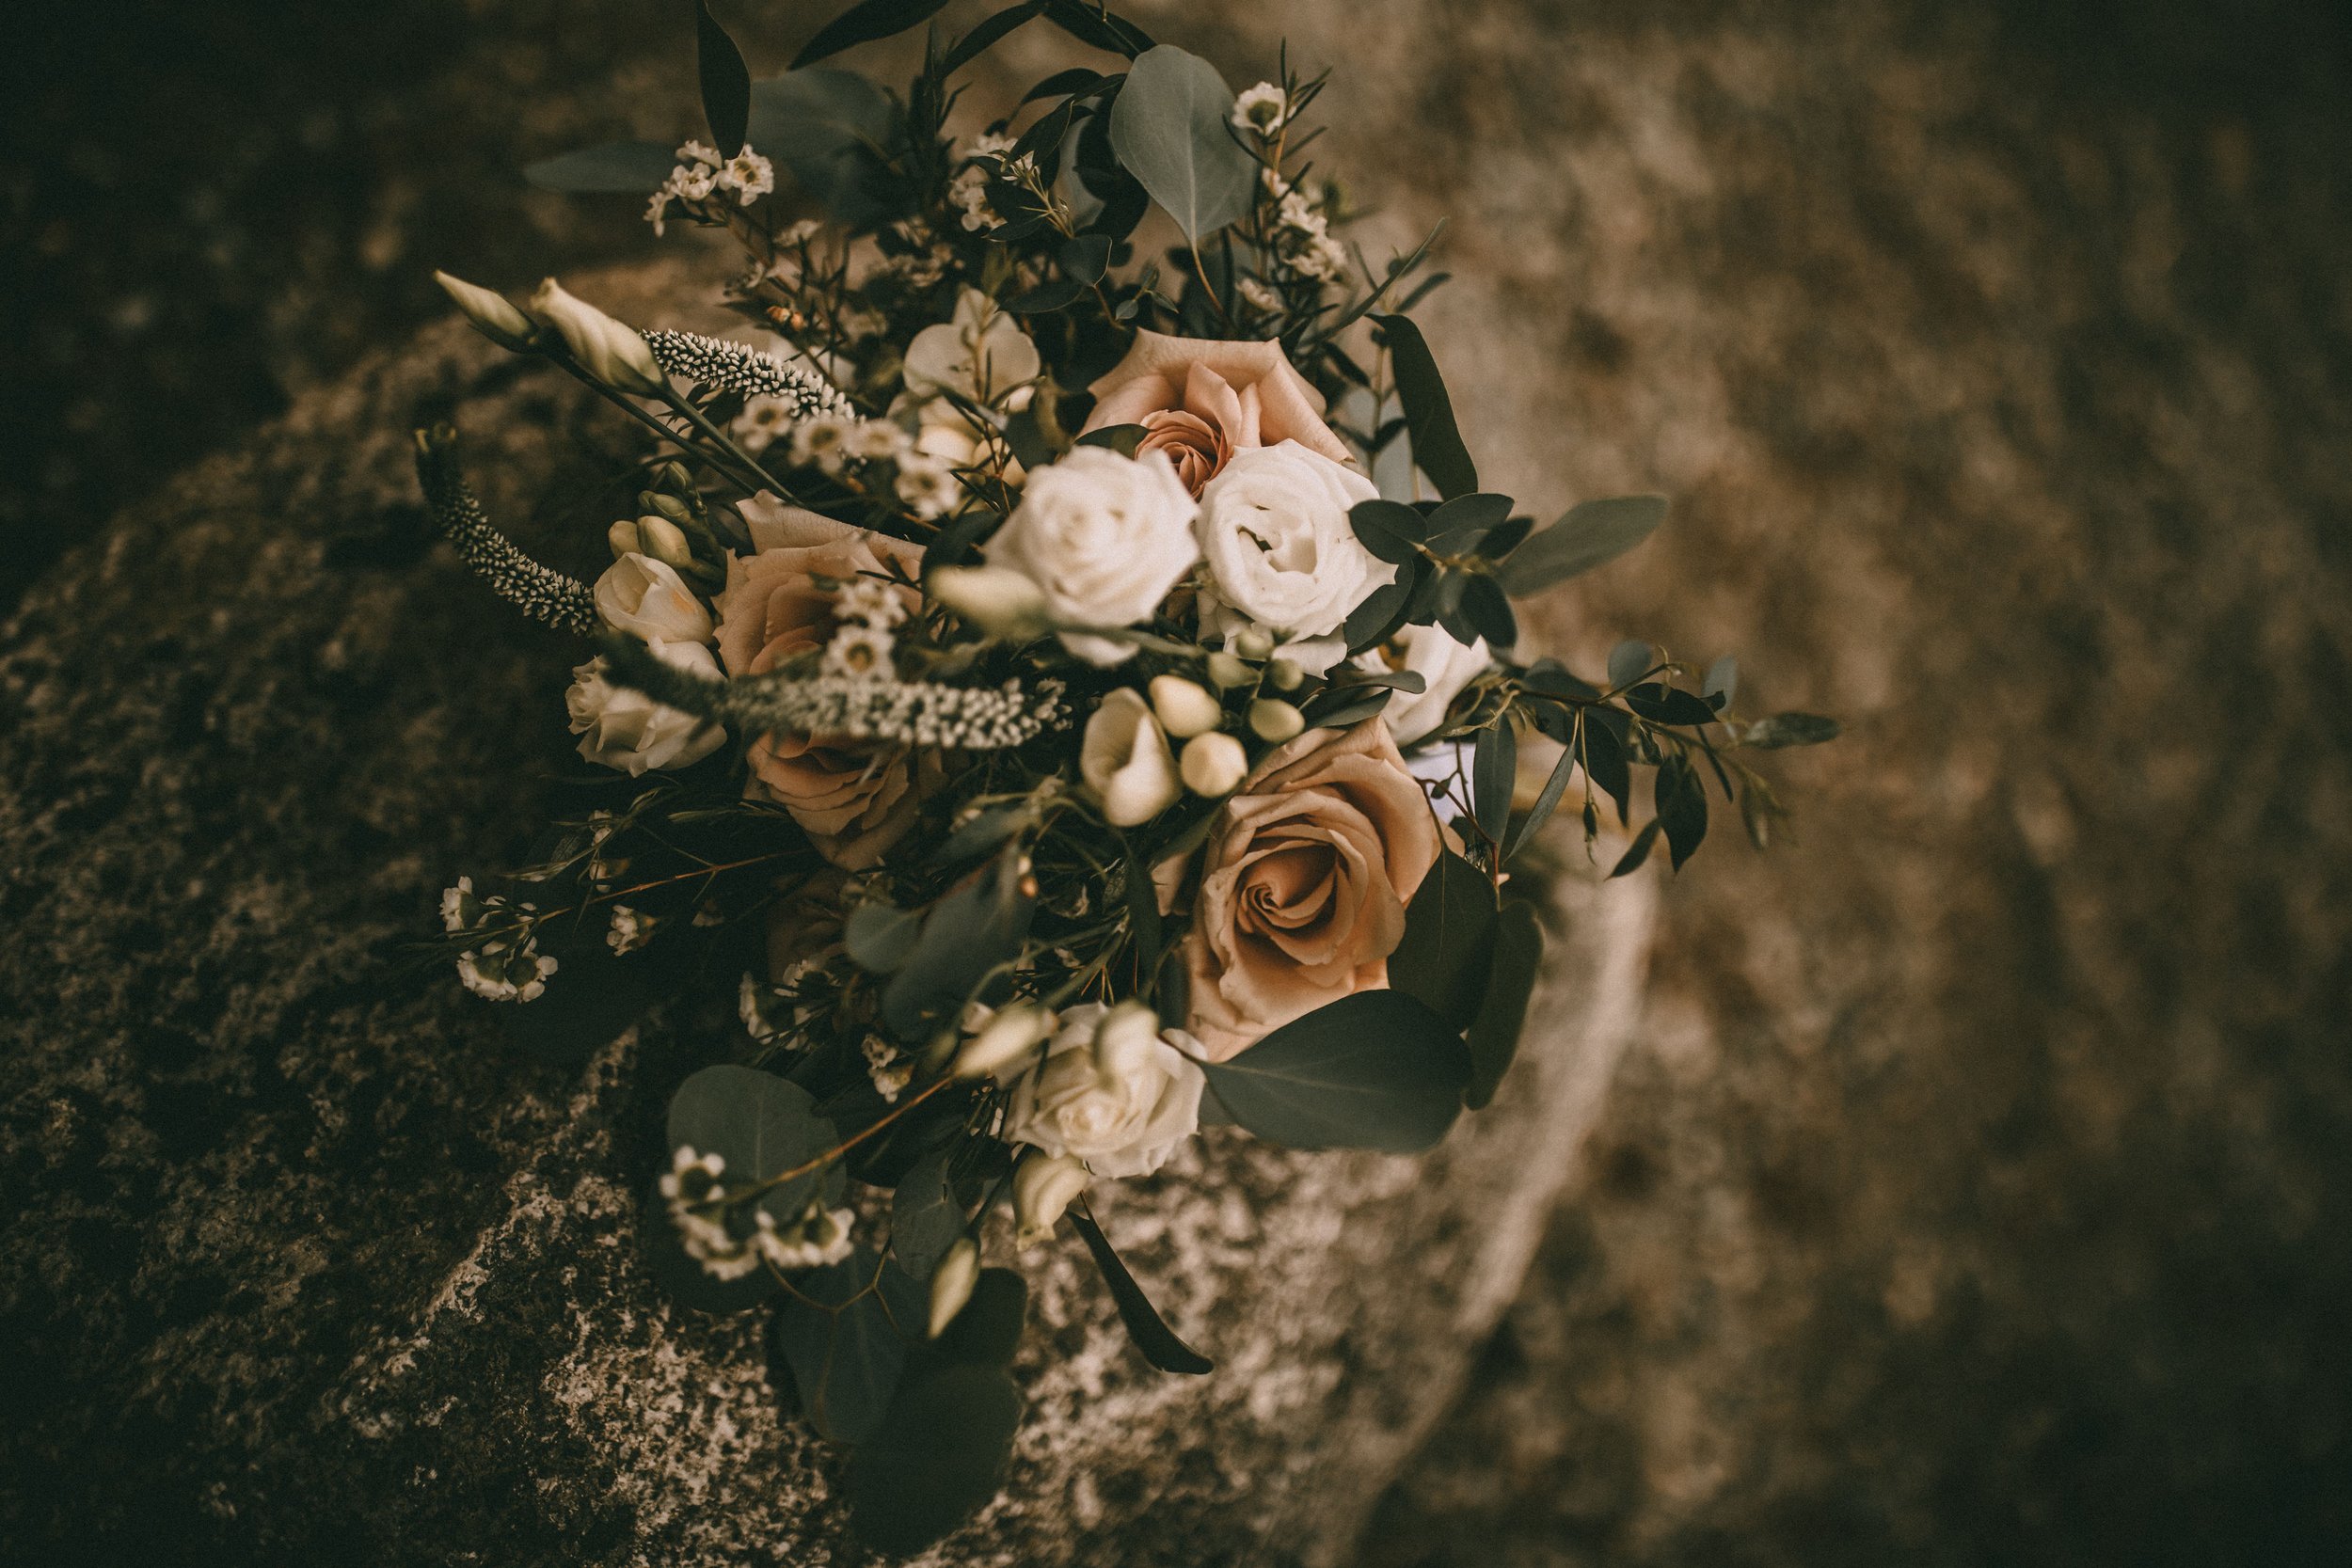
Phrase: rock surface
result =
(302, 1261)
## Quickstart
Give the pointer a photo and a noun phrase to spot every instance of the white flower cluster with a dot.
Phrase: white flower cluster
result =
(911, 713)
(506, 968)
(968, 190)
(631, 929)
(1263, 109)
(833, 443)
(1302, 236)
(701, 172)
(697, 1207)
(862, 646)
(890, 1068)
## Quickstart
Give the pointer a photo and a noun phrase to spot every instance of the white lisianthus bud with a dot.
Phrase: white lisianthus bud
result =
(646, 597)
(1003, 1042)
(1444, 666)
(1253, 644)
(611, 352)
(1272, 719)
(1125, 757)
(1214, 764)
(1044, 1186)
(952, 1282)
(658, 537)
(1183, 708)
(996, 599)
(1285, 676)
(493, 314)
(1228, 672)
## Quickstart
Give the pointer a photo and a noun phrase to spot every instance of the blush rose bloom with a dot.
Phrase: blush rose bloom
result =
(1283, 557)
(1303, 885)
(1444, 666)
(1104, 538)
(1113, 1090)
(625, 729)
(855, 801)
(1199, 401)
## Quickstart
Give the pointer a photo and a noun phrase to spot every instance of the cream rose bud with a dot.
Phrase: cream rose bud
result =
(1444, 666)
(1283, 561)
(614, 354)
(1214, 764)
(648, 598)
(1044, 1187)
(625, 729)
(1124, 760)
(1113, 1091)
(1104, 538)
(658, 537)
(493, 315)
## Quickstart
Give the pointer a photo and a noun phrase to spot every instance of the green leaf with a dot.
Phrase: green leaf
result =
(1337, 709)
(925, 1217)
(1376, 618)
(843, 1332)
(1437, 449)
(987, 1331)
(1680, 799)
(1661, 704)
(726, 81)
(1546, 804)
(1494, 769)
(1170, 129)
(1592, 533)
(1084, 258)
(1629, 660)
(974, 930)
(1494, 1033)
(1377, 1070)
(636, 167)
(1054, 293)
(1442, 957)
(761, 1125)
(1064, 84)
(829, 128)
(865, 22)
(1149, 1332)
(934, 1460)
(1636, 852)
(1787, 729)
(1722, 684)
(1463, 521)
(1489, 610)
(1121, 438)
(1553, 679)
(880, 938)
(1087, 21)
(1602, 754)
(1390, 530)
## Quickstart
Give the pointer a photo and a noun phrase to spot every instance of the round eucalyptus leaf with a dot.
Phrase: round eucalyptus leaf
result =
(1171, 128)
(760, 1125)
(935, 1459)
(1378, 1069)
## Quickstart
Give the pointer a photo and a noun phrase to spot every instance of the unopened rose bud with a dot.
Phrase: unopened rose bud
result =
(1253, 644)
(493, 314)
(1004, 1042)
(611, 352)
(1044, 1186)
(1284, 676)
(668, 506)
(1272, 719)
(1185, 709)
(1123, 756)
(1214, 764)
(997, 599)
(952, 1282)
(1228, 672)
(622, 537)
(665, 541)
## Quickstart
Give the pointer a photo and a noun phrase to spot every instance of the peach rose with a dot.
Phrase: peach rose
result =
(1201, 400)
(855, 800)
(1304, 884)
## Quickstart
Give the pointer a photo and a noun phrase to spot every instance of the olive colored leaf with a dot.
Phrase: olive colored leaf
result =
(1722, 684)
(1546, 804)
(1437, 449)
(1171, 128)
(1390, 530)
(635, 166)
(1664, 705)
(867, 22)
(831, 130)
(1489, 610)
(1376, 1069)
(986, 36)
(761, 1125)
(1054, 293)
(1494, 769)
(935, 1459)
(1064, 84)
(726, 81)
(1504, 537)
(1338, 708)
(1084, 258)
(1629, 660)
(879, 938)
(1680, 795)
(1789, 729)
(843, 1331)
(1553, 678)
(1145, 1327)
(1442, 957)
(1090, 24)
(1602, 754)
(1591, 534)
(1465, 520)
(1375, 620)
(1637, 851)
(987, 1331)
(925, 1217)
(1494, 1033)
(975, 928)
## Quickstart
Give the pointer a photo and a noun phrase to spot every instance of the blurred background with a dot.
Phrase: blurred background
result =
(1979, 1189)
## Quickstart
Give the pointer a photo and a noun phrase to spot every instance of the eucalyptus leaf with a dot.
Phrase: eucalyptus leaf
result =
(1553, 679)
(975, 928)
(880, 938)
(1376, 1069)
(1377, 617)
(831, 130)
(1636, 852)
(1171, 128)
(1489, 610)
(1590, 534)
(1390, 530)
(634, 166)
(1463, 521)
(1494, 1033)
(843, 1331)
(1149, 1332)
(1494, 769)
(1789, 729)
(760, 1125)
(1602, 755)
(1546, 804)
(1088, 23)
(1661, 704)
(865, 22)
(1680, 799)
(1437, 449)
(925, 1217)
(1337, 709)
(726, 81)
(1629, 660)
(935, 1459)
(986, 35)
(987, 1332)
(1442, 958)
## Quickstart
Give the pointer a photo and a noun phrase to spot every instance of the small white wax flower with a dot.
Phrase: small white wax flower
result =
(748, 175)
(614, 354)
(1124, 758)
(1262, 108)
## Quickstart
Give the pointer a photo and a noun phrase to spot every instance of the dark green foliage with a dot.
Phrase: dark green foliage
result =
(1442, 958)
(1590, 534)
(1437, 449)
(1145, 1327)
(1494, 1033)
(726, 82)
(1378, 1069)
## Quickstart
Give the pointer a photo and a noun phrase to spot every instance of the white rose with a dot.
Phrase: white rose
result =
(1104, 537)
(1444, 666)
(981, 355)
(644, 596)
(1113, 1090)
(625, 729)
(1282, 558)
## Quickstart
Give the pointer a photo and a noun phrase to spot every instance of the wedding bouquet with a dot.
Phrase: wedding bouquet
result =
(1059, 677)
